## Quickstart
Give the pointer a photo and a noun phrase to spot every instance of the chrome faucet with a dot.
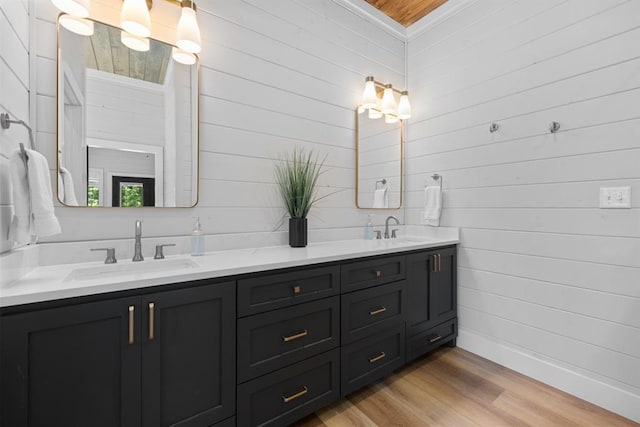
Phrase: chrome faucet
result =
(386, 225)
(137, 254)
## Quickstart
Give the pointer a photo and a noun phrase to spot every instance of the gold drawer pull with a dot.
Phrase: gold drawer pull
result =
(287, 399)
(297, 289)
(378, 311)
(296, 336)
(378, 274)
(435, 339)
(374, 359)
(131, 324)
(152, 309)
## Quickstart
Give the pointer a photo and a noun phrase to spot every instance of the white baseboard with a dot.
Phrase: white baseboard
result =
(605, 395)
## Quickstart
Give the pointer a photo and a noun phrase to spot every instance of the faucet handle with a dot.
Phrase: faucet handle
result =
(111, 255)
(378, 234)
(159, 254)
(394, 233)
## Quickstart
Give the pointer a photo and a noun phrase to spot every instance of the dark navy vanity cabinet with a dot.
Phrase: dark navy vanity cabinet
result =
(264, 348)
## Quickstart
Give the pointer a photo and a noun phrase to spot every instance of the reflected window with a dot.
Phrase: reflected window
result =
(133, 192)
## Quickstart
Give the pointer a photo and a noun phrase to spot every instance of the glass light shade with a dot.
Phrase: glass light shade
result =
(81, 26)
(404, 107)
(369, 95)
(141, 44)
(79, 8)
(361, 109)
(135, 18)
(188, 33)
(374, 114)
(390, 118)
(186, 58)
(388, 101)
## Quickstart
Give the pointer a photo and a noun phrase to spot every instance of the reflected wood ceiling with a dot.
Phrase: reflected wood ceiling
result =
(105, 52)
(406, 12)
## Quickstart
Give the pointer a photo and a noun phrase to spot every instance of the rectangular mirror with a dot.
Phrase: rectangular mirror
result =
(127, 123)
(378, 162)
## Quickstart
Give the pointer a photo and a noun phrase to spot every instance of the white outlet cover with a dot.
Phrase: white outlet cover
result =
(615, 197)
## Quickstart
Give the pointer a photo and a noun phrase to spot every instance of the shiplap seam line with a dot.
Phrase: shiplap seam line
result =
(494, 251)
(559, 284)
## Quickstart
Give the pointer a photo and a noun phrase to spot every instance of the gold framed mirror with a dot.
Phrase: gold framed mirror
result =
(127, 123)
(379, 161)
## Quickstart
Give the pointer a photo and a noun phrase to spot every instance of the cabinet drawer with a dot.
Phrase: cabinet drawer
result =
(260, 294)
(431, 339)
(368, 311)
(289, 394)
(372, 358)
(272, 340)
(364, 274)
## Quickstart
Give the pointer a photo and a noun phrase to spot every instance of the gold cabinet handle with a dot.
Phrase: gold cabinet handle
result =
(152, 309)
(287, 399)
(378, 274)
(439, 263)
(378, 311)
(374, 359)
(295, 336)
(297, 289)
(435, 339)
(131, 324)
(435, 263)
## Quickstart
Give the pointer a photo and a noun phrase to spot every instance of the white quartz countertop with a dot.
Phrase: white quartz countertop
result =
(90, 278)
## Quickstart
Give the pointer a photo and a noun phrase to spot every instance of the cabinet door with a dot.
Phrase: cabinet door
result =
(72, 366)
(431, 289)
(188, 356)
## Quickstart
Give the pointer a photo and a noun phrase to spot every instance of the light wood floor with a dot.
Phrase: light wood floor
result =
(452, 387)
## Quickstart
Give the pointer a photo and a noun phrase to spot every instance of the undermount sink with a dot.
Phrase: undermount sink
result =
(134, 269)
(409, 239)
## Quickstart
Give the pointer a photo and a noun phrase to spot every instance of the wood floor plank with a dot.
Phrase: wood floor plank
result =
(452, 387)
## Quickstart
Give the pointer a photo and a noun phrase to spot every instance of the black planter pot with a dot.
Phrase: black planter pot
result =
(297, 232)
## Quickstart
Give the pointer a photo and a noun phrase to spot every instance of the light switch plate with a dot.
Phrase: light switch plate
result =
(615, 198)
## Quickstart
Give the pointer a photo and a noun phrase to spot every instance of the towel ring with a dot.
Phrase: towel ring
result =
(382, 181)
(438, 177)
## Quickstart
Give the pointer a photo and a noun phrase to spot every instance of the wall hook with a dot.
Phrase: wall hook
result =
(493, 127)
(554, 127)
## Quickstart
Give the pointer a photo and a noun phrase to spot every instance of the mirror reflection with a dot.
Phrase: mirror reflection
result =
(378, 162)
(127, 123)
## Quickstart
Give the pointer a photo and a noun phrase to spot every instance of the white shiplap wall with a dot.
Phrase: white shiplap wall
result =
(549, 284)
(14, 95)
(273, 75)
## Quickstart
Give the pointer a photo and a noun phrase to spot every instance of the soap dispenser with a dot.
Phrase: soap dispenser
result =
(368, 229)
(197, 240)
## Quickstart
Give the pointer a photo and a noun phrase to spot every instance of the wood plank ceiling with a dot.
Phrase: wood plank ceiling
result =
(105, 52)
(406, 12)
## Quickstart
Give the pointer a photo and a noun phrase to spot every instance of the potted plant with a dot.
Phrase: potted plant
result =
(297, 176)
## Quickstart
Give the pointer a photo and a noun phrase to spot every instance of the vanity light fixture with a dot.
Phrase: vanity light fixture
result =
(379, 99)
(135, 21)
(75, 24)
(75, 12)
(135, 18)
(140, 44)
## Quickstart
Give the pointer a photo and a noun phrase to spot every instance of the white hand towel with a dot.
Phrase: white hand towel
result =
(432, 205)
(381, 198)
(33, 206)
(68, 193)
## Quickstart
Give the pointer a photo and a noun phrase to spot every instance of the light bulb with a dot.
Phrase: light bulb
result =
(374, 114)
(179, 55)
(81, 26)
(369, 95)
(388, 101)
(141, 44)
(404, 107)
(390, 118)
(135, 18)
(79, 8)
(188, 32)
